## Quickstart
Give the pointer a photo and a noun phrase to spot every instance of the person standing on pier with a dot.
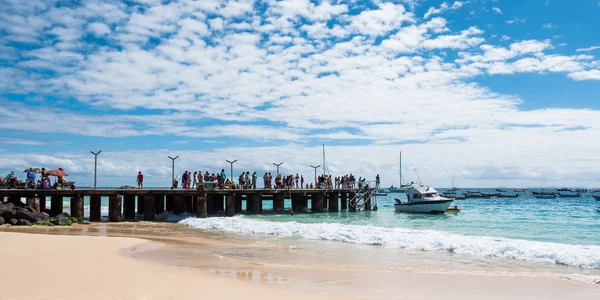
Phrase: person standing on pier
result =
(254, 177)
(377, 180)
(30, 179)
(301, 181)
(140, 180)
(297, 180)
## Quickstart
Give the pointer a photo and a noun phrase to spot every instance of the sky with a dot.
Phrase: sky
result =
(491, 92)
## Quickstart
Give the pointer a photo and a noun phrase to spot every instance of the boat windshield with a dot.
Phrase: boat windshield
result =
(431, 195)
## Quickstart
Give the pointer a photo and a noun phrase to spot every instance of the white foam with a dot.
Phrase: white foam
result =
(581, 256)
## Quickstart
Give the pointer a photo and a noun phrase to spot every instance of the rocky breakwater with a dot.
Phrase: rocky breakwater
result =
(26, 215)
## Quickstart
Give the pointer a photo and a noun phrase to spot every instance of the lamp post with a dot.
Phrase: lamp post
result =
(95, 165)
(173, 170)
(279, 164)
(315, 167)
(231, 164)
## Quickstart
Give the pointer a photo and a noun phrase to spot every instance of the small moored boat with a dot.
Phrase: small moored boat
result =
(454, 208)
(508, 196)
(520, 190)
(545, 196)
(423, 199)
(597, 197)
(569, 195)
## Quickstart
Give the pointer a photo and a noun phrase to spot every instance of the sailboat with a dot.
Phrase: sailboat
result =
(403, 187)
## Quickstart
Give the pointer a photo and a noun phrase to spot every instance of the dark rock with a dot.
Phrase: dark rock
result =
(23, 222)
(13, 221)
(30, 209)
(42, 217)
(2, 221)
(25, 214)
(62, 219)
(8, 211)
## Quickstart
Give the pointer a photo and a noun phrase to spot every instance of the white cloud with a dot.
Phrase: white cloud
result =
(588, 49)
(497, 10)
(443, 7)
(548, 26)
(506, 38)
(515, 20)
(586, 75)
(98, 29)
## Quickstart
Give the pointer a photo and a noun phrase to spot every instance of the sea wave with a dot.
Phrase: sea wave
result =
(581, 256)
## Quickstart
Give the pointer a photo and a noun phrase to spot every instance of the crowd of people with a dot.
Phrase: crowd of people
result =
(247, 180)
(11, 181)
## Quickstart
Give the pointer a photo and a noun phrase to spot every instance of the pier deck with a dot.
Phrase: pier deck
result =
(128, 204)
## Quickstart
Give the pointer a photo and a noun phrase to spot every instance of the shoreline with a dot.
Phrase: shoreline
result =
(208, 254)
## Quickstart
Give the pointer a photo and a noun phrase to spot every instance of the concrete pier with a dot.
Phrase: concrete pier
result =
(128, 204)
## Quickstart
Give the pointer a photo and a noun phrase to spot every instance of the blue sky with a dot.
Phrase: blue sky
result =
(493, 92)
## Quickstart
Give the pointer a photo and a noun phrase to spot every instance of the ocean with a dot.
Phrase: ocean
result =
(524, 235)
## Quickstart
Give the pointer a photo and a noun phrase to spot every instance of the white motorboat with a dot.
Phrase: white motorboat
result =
(423, 199)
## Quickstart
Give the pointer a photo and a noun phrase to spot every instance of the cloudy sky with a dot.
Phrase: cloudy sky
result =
(493, 92)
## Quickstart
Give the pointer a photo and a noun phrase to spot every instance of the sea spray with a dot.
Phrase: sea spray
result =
(582, 256)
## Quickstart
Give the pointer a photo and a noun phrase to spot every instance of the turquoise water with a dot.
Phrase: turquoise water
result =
(560, 220)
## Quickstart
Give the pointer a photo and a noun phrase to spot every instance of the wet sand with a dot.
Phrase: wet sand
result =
(272, 268)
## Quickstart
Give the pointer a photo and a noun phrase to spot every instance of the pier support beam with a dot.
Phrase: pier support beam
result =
(352, 206)
(56, 205)
(230, 207)
(238, 203)
(140, 205)
(344, 200)
(296, 202)
(159, 204)
(367, 204)
(178, 207)
(149, 207)
(188, 202)
(254, 203)
(42, 201)
(115, 204)
(332, 197)
(278, 202)
(317, 202)
(95, 208)
(169, 203)
(304, 201)
(219, 203)
(210, 204)
(129, 207)
(16, 200)
(201, 209)
(77, 207)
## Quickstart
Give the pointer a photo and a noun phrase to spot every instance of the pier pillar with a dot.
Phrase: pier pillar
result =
(16, 200)
(296, 202)
(95, 208)
(254, 203)
(188, 202)
(170, 203)
(210, 204)
(149, 207)
(42, 200)
(77, 207)
(115, 204)
(178, 207)
(238, 203)
(344, 200)
(317, 202)
(333, 199)
(140, 205)
(367, 203)
(129, 207)
(159, 204)
(56, 205)
(35, 203)
(220, 203)
(201, 209)
(230, 207)
(325, 202)
(304, 201)
(352, 204)
(278, 202)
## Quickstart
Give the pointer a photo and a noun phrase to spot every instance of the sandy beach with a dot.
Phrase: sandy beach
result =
(166, 265)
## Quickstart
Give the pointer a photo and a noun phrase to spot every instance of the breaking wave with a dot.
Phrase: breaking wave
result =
(581, 256)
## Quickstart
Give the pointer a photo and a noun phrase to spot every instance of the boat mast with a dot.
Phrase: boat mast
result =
(400, 169)
(323, 160)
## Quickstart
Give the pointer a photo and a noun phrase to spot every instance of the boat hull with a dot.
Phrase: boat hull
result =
(437, 206)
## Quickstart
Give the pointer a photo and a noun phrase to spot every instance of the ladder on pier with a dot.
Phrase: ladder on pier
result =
(363, 196)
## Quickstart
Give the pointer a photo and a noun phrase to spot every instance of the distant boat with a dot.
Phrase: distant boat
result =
(520, 190)
(543, 193)
(486, 195)
(545, 196)
(597, 197)
(469, 194)
(581, 190)
(563, 190)
(500, 190)
(569, 195)
(508, 196)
